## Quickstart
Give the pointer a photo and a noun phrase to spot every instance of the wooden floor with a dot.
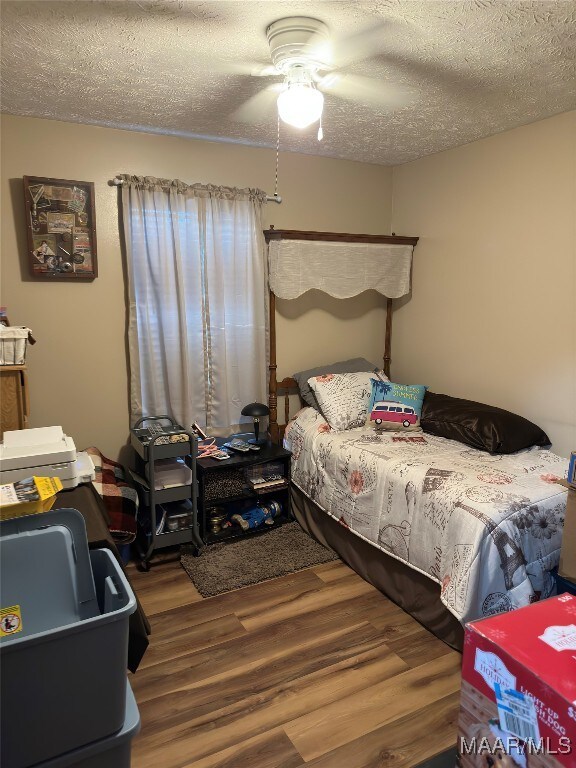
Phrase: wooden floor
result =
(313, 669)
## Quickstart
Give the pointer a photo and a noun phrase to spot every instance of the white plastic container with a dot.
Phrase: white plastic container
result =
(171, 473)
(13, 340)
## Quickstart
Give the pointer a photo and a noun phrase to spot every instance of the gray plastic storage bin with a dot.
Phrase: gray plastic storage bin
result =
(49, 594)
(63, 676)
(113, 752)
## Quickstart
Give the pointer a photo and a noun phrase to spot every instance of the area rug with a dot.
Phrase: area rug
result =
(250, 560)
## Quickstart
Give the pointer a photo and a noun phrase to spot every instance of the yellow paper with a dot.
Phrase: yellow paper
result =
(29, 496)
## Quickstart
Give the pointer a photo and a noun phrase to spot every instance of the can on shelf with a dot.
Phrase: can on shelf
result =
(271, 509)
(217, 517)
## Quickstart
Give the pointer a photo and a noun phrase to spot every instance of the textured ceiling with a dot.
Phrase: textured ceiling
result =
(448, 71)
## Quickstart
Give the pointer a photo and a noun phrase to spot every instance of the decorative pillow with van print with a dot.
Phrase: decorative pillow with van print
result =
(395, 406)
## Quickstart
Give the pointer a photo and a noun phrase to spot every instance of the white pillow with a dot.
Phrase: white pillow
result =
(344, 397)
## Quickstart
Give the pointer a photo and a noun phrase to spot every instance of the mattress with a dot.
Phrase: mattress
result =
(486, 528)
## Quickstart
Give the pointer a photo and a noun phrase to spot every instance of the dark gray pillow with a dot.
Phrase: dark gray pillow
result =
(345, 366)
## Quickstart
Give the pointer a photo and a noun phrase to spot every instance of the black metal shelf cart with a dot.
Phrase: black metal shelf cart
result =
(151, 445)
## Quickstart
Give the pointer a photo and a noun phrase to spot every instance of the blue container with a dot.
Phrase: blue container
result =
(563, 585)
(125, 551)
(572, 470)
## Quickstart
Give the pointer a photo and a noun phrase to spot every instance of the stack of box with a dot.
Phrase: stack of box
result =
(64, 611)
(518, 702)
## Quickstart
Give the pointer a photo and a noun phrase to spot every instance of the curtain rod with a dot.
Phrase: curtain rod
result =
(116, 182)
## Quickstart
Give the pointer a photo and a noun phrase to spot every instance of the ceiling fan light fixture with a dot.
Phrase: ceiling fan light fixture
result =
(300, 105)
(299, 40)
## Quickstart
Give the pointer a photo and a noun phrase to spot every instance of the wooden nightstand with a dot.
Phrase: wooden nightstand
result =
(14, 408)
(228, 487)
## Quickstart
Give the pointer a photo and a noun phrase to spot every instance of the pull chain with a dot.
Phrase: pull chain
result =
(320, 131)
(277, 158)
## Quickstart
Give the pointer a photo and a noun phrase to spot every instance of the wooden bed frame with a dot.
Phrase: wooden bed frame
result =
(288, 386)
(411, 590)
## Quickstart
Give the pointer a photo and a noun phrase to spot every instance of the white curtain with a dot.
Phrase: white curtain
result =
(197, 278)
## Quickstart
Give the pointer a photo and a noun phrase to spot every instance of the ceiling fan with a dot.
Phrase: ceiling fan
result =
(302, 52)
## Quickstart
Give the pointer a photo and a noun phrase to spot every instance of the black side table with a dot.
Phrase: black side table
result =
(230, 487)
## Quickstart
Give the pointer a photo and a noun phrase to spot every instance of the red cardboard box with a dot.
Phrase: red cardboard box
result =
(518, 701)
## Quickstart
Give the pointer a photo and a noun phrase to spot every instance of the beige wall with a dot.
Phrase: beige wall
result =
(493, 311)
(77, 370)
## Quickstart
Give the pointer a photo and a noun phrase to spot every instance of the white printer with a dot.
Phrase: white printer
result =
(44, 452)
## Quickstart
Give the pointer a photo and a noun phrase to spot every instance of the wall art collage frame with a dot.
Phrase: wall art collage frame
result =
(61, 228)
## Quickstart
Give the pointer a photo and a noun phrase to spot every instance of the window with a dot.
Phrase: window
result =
(197, 291)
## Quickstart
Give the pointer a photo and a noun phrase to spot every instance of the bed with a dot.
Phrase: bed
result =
(460, 521)
(484, 529)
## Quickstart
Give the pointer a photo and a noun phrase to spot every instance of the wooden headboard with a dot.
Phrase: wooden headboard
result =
(288, 386)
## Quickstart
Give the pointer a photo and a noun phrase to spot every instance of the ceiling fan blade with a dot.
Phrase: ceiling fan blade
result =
(371, 41)
(249, 68)
(258, 107)
(367, 90)
(264, 70)
(443, 77)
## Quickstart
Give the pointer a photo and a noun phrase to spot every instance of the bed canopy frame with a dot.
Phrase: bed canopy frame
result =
(288, 385)
(412, 590)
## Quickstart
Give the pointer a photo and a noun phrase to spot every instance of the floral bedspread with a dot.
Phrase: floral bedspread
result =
(486, 528)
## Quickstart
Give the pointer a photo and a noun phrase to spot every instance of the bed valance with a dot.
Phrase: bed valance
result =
(339, 268)
(337, 263)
